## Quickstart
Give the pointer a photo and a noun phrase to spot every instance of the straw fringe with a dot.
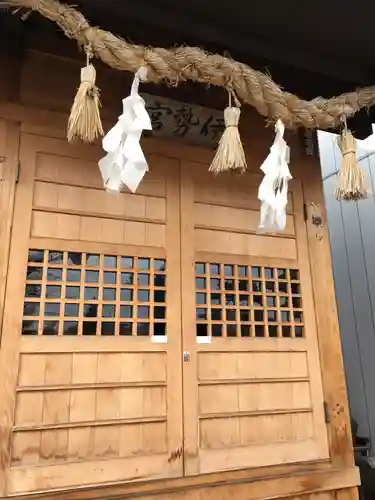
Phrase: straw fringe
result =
(84, 121)
(351, 180)
(230, 154)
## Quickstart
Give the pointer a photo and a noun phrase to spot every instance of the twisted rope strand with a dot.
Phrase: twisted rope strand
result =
(191, 63)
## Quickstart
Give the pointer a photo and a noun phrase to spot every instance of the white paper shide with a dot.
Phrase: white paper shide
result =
(125, 163)
(273, 191)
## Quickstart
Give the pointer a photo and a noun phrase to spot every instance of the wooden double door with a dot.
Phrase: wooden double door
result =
(152, 335)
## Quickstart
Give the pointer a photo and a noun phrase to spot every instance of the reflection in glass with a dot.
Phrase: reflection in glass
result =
(92, 276)
(126, 328)
(36, 256)
(54, 274)
(72, 292)
(91, 293)
(74, 258)
(71, 310)
(70, 328)
(52, 309)
(92, 260)
(30, 327)
(31, 309)
(50, 328)
(34, 273)
(53, 292)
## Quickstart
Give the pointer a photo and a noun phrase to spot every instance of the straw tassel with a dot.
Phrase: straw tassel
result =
(84, 120)
(230, 154)
(351, 184)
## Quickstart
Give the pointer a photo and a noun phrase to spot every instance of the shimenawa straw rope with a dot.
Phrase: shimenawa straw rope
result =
(191, 63)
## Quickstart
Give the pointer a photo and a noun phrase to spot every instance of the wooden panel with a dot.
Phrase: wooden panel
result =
(243, 244)
(74, 227)
(89, 406)
(95, 390)
(255, 405)
(232, 219)
(71, 171)
(64, 198)
(229, 189)
(251, 366)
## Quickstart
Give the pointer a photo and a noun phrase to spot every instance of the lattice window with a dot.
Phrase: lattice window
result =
(72, 293)
(244, 301)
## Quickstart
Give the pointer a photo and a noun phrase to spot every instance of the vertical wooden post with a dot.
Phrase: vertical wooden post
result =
(9, 149)
(9, 146)
(340, 439)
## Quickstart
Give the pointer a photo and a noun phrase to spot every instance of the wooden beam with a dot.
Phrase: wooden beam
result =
(219, 486)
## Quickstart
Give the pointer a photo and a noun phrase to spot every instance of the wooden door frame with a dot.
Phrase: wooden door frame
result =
(53, 124)
(334, 384)
(9, 153)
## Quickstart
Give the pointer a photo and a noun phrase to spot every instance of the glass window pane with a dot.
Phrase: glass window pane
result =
(31, 309)
(36, 256)
(144, 296)
(70, 328)
(108, 328)
(33, 291)
(202, 330)
(91, 293)
(127, 263)
(143, 312)
(143, 264)
(109, 293)
(92, 276)
(228, 270)
(55, 257)
(71, 310)
(90, 310)
(159, 312)
(34, 273)
(200, 268)
(54, 274)
(126, 311)
(72, 292)
(143, 329)
(245, 331)
(127, 278)
(50, 328)
(109, 278)
(108, 311)
(92, 260)
(89, 327)
(160, 328)
(160, 280)
(231, 330)
(126, 295)
(74, 259)
(73, 275)
(143, 279)
(126, 328)
(52, 309)
(53, 292)
(110, 261)
(216, 330)
(159, 265)
(30, 327)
